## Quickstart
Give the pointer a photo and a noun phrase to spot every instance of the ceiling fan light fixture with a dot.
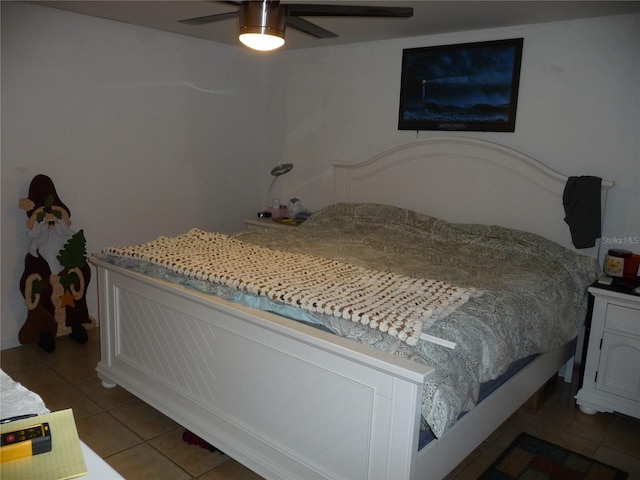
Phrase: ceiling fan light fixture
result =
(262, 25)
(261, 41)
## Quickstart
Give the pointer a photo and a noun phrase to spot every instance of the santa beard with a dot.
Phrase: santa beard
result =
(49, 241)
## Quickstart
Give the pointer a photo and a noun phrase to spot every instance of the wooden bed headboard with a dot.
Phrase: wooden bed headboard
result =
(464, 180)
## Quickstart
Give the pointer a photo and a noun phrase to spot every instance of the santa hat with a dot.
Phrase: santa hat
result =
(42, 193)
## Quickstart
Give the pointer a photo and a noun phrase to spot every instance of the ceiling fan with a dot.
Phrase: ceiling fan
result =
(262, 23)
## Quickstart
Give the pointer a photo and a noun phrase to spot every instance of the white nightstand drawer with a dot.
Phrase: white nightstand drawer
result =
(622, 319)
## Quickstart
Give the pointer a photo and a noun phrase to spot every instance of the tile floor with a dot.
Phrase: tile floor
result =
(141, 443)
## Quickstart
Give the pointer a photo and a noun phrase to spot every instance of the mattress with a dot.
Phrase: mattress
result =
(532, 292)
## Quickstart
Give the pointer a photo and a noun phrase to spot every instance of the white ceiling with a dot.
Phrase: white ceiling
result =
(430, 17)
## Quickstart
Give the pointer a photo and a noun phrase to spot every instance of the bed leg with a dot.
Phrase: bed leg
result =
(587, 410)
(103, 375)
(567, 370)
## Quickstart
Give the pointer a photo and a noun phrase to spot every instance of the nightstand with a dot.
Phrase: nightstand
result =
(611, 380)
(262, 223)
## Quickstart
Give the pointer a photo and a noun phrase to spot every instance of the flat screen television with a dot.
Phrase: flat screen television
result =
(469, 86)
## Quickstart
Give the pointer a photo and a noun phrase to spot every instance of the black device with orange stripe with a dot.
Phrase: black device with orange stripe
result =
(25, 442)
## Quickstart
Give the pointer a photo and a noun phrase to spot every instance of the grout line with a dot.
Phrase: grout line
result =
(174, 462)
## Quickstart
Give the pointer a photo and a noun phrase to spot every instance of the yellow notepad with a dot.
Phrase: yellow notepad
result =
(65, 460)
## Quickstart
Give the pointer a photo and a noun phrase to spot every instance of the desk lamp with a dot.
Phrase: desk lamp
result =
(276, 171)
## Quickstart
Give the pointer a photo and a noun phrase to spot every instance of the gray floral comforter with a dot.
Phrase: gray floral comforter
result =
(534, 297)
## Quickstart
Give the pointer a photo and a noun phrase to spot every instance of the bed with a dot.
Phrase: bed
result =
(289, 399)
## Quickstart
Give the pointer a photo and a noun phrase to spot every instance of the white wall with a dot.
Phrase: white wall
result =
(143, 133)
(148, 133)
(578, 108)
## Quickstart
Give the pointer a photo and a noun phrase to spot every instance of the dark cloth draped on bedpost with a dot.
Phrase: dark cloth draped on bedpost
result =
(582, 206)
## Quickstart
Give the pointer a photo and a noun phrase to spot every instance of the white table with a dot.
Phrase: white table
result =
(16, 400)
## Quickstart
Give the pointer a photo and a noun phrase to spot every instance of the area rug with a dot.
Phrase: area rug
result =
(529, 458)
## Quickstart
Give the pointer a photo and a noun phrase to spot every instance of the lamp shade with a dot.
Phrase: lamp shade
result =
(281, 169)
(262, 25)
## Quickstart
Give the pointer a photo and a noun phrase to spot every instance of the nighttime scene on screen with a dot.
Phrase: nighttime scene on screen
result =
(459, 86)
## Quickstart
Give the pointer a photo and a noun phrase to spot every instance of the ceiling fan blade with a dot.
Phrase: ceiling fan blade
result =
(316, 10)
(309, 28)
(209, 18)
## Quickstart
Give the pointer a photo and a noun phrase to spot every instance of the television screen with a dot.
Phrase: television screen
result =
(470, 86)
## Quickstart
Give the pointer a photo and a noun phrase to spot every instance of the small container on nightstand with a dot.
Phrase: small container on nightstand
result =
(611, 381)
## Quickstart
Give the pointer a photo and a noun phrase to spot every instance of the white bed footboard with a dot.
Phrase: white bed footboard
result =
(284, 399)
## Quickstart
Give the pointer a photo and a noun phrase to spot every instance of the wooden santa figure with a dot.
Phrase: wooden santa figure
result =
(56, 273)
